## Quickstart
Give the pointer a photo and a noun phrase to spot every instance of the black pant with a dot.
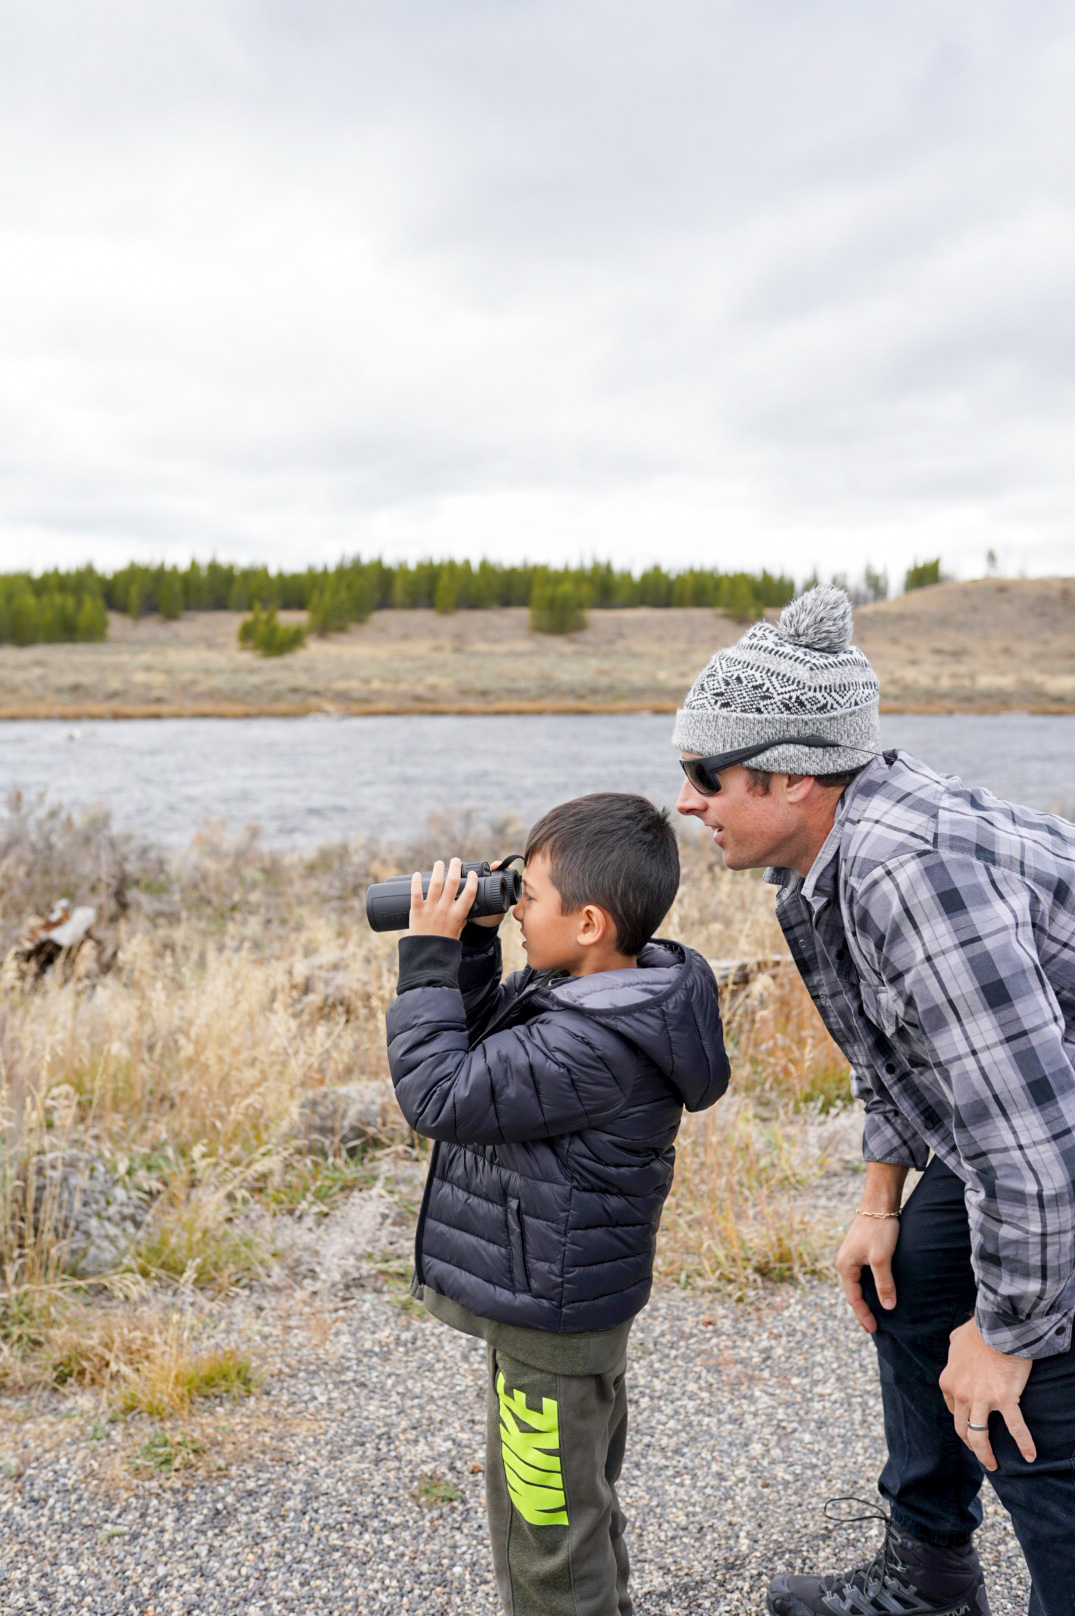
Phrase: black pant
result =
(932, 1479)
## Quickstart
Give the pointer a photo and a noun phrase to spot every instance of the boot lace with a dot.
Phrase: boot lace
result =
(873, 1577)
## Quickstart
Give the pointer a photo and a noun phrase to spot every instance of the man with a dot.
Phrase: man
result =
(934, 927)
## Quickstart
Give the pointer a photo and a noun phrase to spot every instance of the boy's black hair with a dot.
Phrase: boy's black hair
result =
(617, 851)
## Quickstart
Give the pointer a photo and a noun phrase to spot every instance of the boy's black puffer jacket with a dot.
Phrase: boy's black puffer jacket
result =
(554, 1101)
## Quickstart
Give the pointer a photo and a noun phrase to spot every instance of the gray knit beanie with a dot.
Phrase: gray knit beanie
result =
(799, 677)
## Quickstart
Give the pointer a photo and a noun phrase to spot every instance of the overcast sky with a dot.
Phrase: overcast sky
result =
(772, 282)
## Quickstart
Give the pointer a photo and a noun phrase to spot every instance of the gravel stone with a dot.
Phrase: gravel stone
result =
(744, 1419)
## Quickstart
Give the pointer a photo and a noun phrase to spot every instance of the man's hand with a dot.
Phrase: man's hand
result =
(871, 1241)
(441, 913)
(976, 1381)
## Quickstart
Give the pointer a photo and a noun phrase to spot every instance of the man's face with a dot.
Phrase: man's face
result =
(750, 829)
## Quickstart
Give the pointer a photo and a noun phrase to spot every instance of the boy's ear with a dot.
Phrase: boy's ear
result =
(594, 925)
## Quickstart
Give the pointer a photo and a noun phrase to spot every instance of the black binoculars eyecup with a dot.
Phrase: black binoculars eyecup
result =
(388, 903)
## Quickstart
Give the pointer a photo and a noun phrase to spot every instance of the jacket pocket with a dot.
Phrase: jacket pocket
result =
(520, 1279)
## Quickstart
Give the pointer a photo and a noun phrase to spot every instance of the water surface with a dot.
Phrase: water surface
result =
(311, 780)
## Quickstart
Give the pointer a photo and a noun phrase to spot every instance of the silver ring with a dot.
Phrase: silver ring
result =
(972, 1427)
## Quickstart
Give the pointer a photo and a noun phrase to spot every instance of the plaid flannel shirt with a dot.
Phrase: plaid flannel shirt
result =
(936, 935)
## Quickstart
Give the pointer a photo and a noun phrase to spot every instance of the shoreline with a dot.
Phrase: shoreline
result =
(87, 712)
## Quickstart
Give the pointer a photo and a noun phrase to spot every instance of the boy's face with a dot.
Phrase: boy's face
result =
(550, 937)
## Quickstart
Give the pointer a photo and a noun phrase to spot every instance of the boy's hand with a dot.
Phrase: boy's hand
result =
(440, 913)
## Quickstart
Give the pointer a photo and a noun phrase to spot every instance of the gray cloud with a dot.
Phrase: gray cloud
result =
(733, 283)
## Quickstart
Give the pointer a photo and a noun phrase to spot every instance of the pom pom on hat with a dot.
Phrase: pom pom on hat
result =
(821, 619)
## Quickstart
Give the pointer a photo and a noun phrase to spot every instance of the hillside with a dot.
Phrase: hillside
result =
(994, 644)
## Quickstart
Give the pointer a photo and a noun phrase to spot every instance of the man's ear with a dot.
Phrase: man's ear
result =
(798, 787)
(593, 925)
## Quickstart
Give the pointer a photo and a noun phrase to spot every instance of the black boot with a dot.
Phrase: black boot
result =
(905, 1576)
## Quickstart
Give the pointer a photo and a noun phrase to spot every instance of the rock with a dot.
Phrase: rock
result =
(85, 1214)
(331, 1122)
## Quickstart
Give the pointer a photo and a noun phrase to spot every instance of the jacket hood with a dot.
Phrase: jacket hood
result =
(668, 1007)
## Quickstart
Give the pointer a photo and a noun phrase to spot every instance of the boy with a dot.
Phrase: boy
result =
(554, 1099)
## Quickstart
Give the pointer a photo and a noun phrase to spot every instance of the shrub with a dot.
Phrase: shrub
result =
(170, 595)
(446, 594)
(557, 606)
(739, 599)
(655, 588)
(362, 597)
(92, 621)
(263, 633)
(24, 619)
(169, 1378)
(696, 589)
(342, 598)
(923, 574)
(329, 610)
(54, 608)
(251, 586)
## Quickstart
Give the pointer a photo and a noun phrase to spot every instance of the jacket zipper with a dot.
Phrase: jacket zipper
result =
(419, 1277)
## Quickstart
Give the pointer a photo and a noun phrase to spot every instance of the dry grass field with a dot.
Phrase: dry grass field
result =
(228, 988)
(990, 645)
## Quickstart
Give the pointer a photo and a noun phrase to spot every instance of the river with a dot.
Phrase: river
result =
(312, 780)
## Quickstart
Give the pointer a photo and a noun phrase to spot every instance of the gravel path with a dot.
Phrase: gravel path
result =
(743, 1421)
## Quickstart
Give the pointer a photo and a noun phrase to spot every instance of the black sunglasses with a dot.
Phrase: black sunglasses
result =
(704, 773)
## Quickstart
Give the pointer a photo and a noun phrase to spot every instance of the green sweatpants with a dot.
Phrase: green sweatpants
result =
(555, 1445)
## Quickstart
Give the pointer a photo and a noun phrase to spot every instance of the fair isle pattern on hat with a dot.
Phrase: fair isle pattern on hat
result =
(799, 676)
(766, 673)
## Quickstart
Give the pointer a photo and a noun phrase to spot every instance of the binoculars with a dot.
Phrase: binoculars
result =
(388, 903)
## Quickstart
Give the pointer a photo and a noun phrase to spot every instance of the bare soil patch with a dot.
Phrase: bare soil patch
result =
(989, 645)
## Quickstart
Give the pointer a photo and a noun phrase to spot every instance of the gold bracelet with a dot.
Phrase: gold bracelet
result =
(862, 1213)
